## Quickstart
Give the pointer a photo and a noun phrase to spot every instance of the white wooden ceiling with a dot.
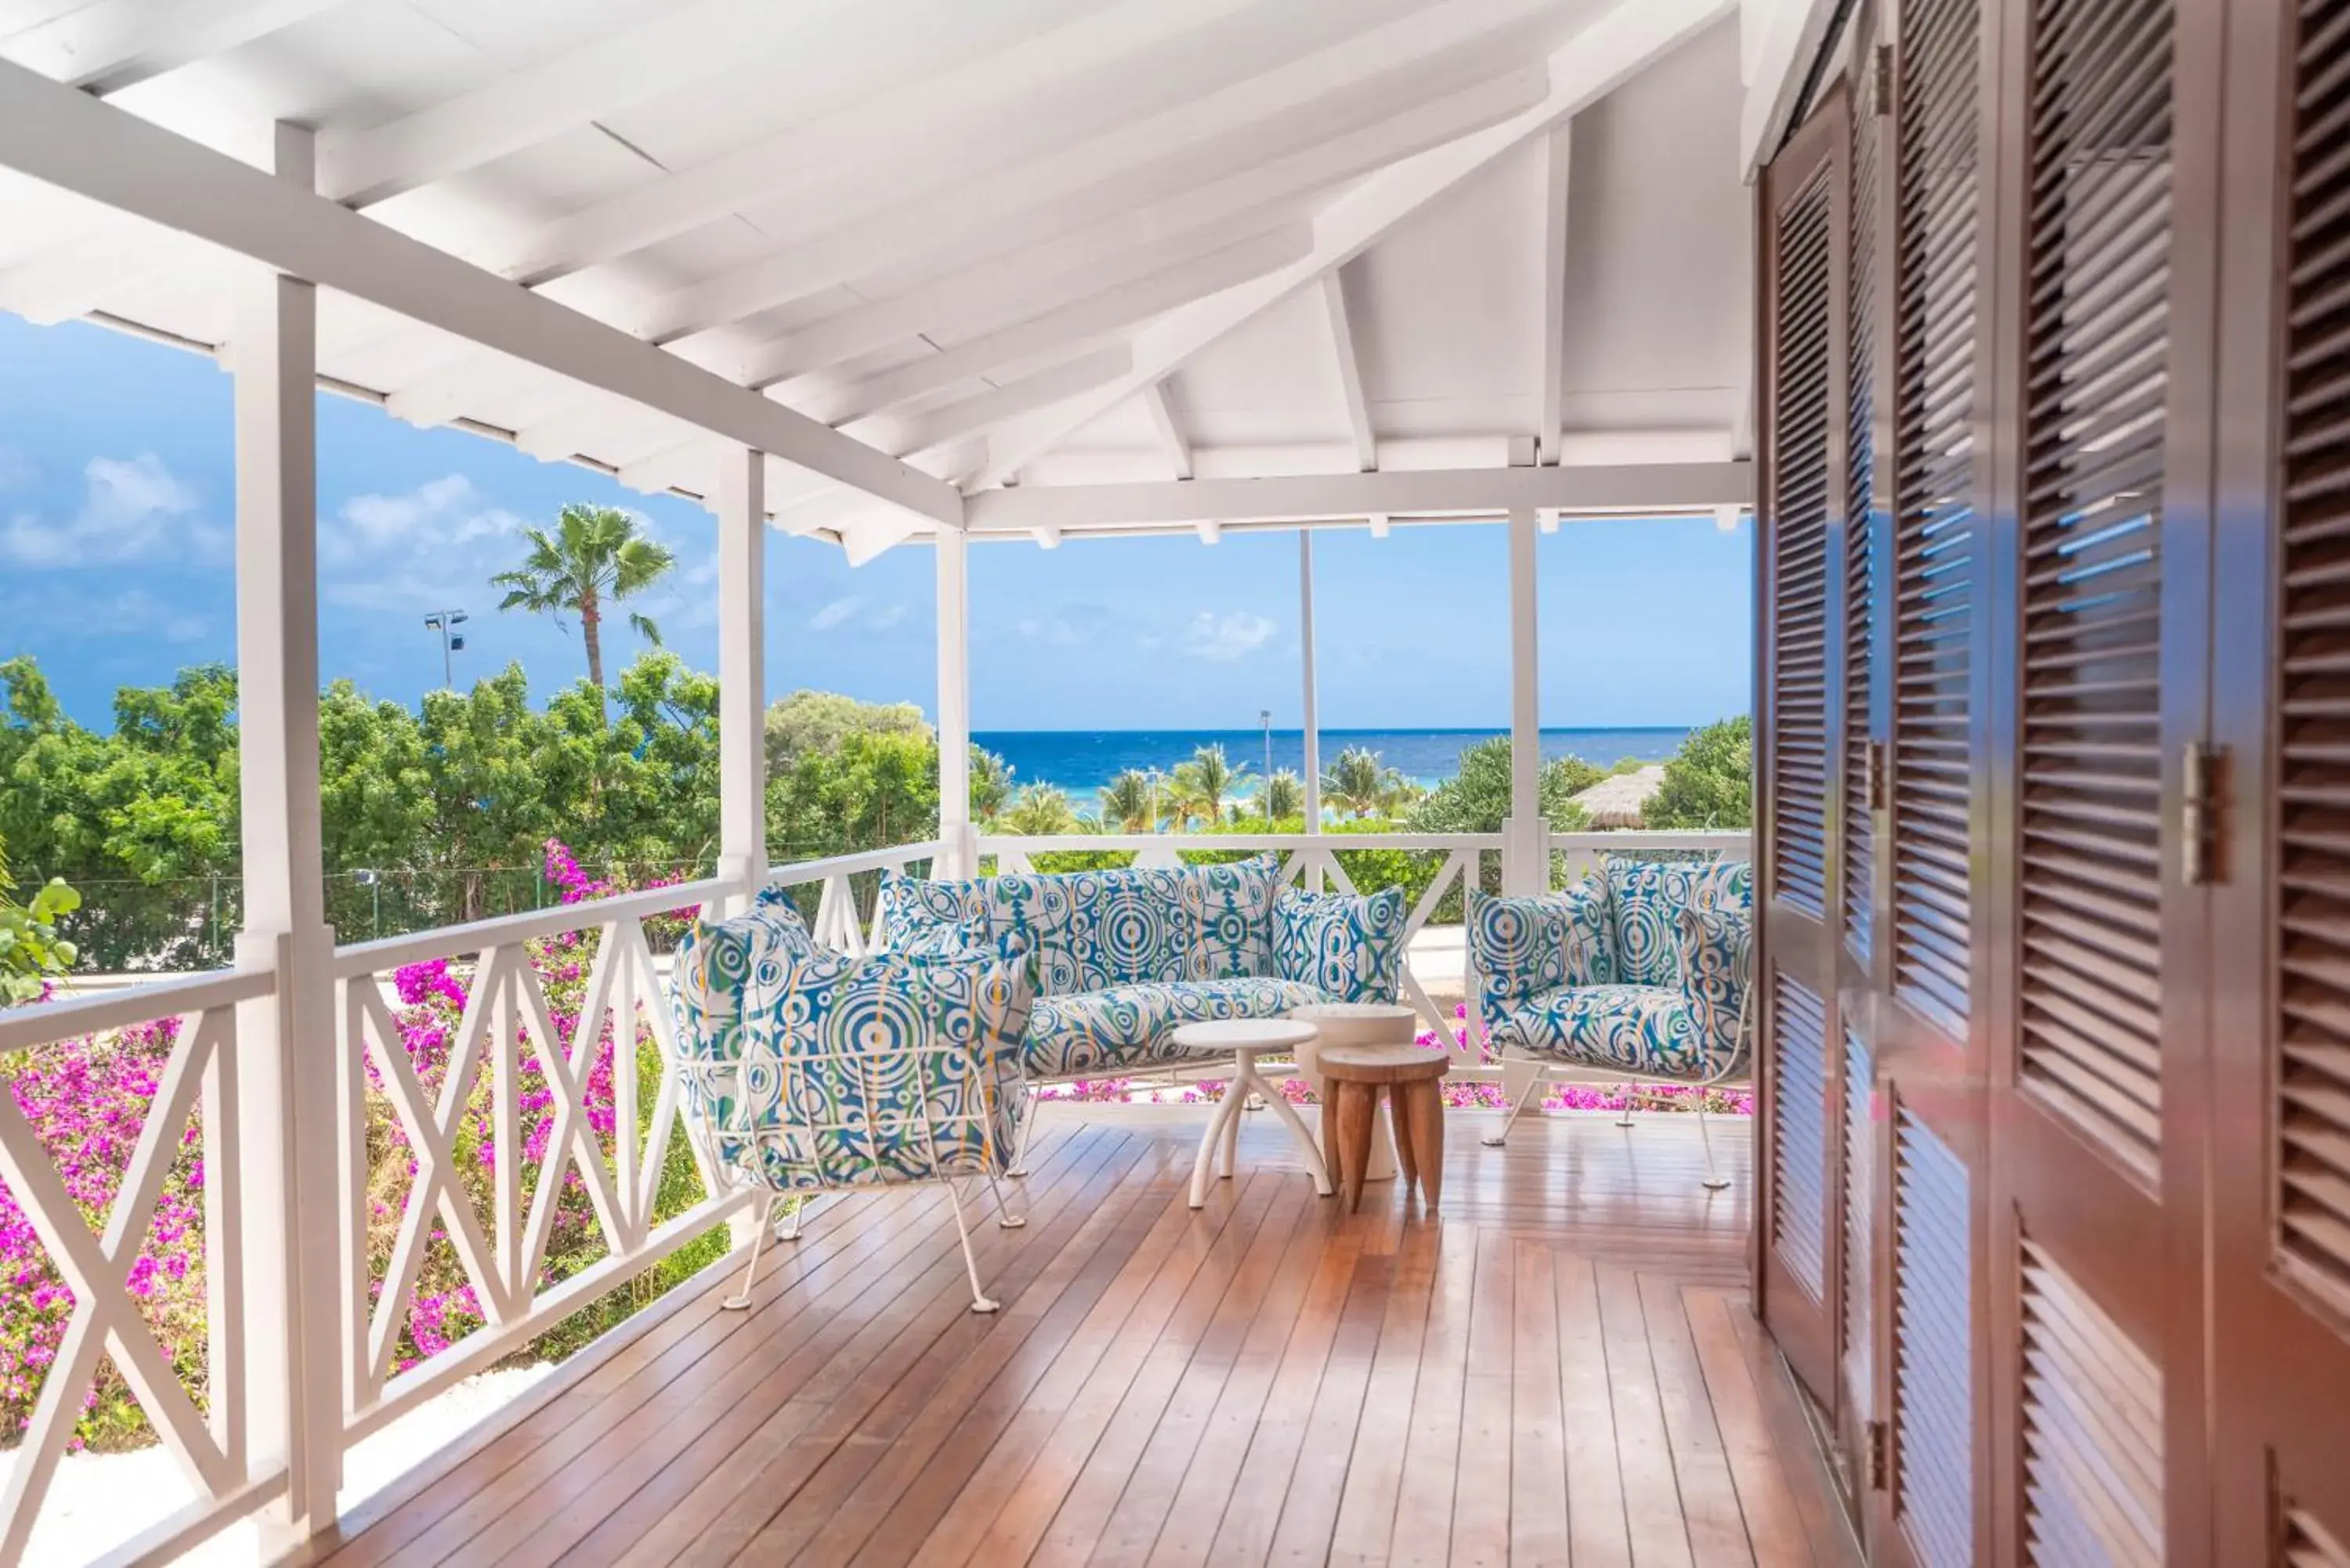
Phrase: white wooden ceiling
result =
(1046, 242)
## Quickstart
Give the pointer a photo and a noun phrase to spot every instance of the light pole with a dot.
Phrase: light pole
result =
(446, 622)
(1264, 717)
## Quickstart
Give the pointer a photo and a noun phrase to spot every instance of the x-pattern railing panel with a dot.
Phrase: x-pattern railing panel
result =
(97, 1267)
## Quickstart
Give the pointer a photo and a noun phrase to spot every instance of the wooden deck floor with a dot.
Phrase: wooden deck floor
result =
(1562, 1369)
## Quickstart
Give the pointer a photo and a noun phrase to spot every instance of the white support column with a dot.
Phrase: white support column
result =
(1525, 846)
(742, 670)
(960, 856)
(1311, 719)
(294, 1273)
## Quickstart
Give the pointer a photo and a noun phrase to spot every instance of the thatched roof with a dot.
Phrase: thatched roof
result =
(1617, 801)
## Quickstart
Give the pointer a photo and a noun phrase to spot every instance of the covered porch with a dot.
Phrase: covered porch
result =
(959, 334)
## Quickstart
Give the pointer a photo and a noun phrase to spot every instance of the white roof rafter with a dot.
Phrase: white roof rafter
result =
(1170, 428)
(1350, 369)
(1557, 156)
(1611, 50)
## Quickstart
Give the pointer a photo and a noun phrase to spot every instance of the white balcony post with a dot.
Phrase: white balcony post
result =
(1311, 720)
(290, 1227)
(958, 852)
(742, 670)
(1525, 858)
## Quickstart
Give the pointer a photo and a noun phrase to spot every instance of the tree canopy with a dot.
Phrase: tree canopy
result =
(1710, 781)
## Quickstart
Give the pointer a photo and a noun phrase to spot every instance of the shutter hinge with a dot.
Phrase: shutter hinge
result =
(1880, 81)
(1878, 1461)
(1873, 761)
(2199, 813)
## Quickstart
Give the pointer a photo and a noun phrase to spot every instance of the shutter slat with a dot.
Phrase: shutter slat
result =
(1799, 1149)
(1798, 533)
(2096, 379)
(1932, 570)
(1933, 1400)
(2092, 1428)
(2310, 1112)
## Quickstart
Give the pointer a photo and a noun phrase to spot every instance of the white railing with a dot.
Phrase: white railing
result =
(838, 922)
(197, 1083)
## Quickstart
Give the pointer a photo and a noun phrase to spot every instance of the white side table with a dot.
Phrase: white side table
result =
(1243, 1039)
(1337, 1023)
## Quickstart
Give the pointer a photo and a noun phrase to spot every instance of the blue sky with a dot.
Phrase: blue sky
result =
(116, 507)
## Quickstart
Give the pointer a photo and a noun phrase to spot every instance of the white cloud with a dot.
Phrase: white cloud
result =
(883, 619)
(69, 614)
(131, 509)
(420, 549)
(1223, 638)
(1072, 625)
(833, 613)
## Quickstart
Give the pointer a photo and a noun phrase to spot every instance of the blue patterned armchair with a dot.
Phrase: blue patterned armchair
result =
(1125, 958)
(802, 1070)
(1640, 972)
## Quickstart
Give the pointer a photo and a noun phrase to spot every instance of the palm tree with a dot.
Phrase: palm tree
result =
(595, 557)
(1202, 784)
(1130, 801)
(1040, 810)
(990, 784)
(1357, 784)
(1285, 795)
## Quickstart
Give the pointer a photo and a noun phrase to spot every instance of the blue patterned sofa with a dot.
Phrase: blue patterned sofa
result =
(802, 1070)
(1125, 958)
(1639, 971)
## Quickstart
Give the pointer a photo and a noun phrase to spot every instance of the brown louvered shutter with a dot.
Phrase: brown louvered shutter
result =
(1799, 1150)
(1860, 1230)
(1934, 571)
(2313, 1029)
(1799, 536)
(1933, 1418)
(2096, 365)
(1859, 564)
(2091, 1439)
(2309, 1544)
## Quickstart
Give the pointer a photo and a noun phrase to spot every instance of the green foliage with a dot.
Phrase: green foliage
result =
(1710, 781)
(1285, 795)
(595, 557)
(1477, 797)
(1129, 802)
(1200, 790)
(990, 784)
(31, 951)
(1040, 810)
(1356, 784)
(871, 791)
(819, 722)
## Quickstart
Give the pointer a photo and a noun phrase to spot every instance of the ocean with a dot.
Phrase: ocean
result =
(1081, 761)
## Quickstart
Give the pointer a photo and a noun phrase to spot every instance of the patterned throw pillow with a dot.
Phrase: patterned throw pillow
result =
(1647, 897)
(1717, 961)
(1521, 947)
(1222, 928)
(1350, 949)
(847, 1072)
(722, 958)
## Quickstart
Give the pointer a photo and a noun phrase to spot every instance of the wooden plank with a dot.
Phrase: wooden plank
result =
(1152, 1486)
(1652, 1509)
(1244, 1534)
(1016, 1490)
(1717, 1532)
(1199, 1508)
(1481, 1489)
(1538, 1526)
(733, 1451)
(1072, 1489)
(1823, 1517)
(1773, 1527)
(1594, 1488)
(1309, 1511)
(929, 1284)
(1423, 1512)
(1367, 1511)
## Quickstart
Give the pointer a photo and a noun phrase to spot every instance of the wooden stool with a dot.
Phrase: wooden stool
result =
(1354, 1075)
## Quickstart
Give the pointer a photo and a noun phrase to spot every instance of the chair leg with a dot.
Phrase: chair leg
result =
(1714, 1180)
(980, 1301)
(1005, 1218)
(741, 1300)
(1526, 1092)
(1021, 1139)
(799, 1207)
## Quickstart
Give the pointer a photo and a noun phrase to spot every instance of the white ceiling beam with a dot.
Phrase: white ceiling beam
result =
(1008, 289)
(75, 142)
(1107, 311)
(968, 119)
(601, 77)
(1350, 369)
(1600, 58)
(942, 427)
(117, 43)
(1171, 439)
(1559, 156)
(611, 432)
(1177, 187)
(1664, 487)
